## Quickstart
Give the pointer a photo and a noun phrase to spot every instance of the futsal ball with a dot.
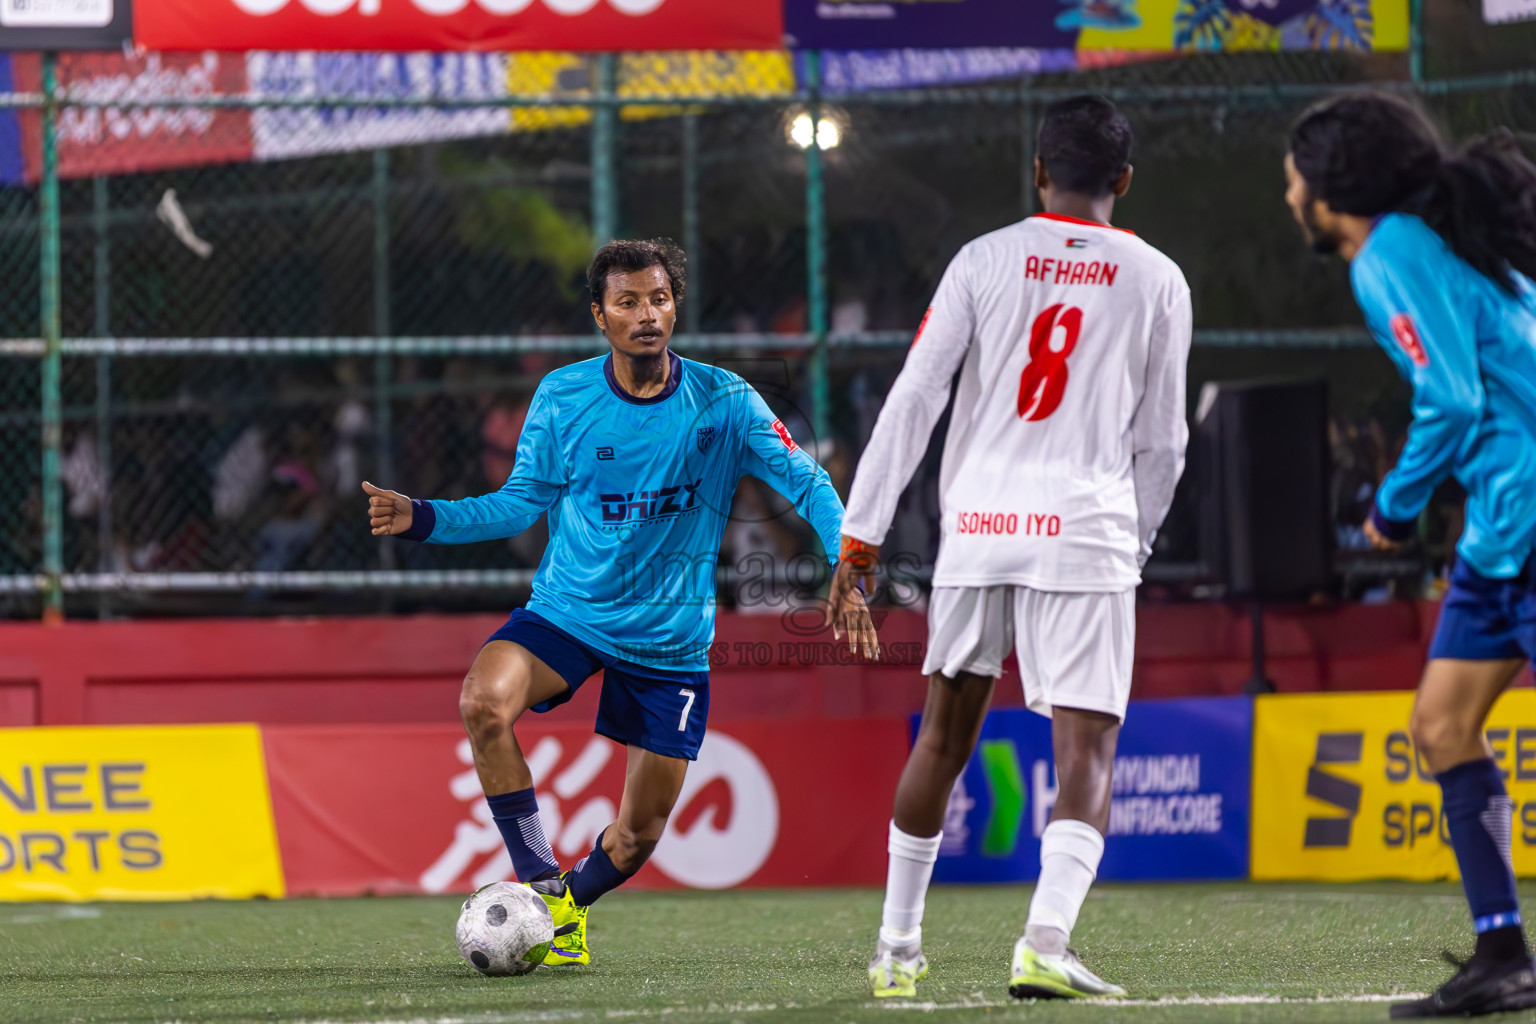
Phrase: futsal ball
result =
(505, 929)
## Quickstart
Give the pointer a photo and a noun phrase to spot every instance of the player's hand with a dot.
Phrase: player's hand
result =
(389, 512)
(846, 610)
(860, 629)
(1378, 542)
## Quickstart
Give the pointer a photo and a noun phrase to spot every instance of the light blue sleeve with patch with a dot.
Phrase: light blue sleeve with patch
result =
(772, 455)
(1405, 284)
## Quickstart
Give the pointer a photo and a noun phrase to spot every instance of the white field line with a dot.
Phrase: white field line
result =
(537, 1016)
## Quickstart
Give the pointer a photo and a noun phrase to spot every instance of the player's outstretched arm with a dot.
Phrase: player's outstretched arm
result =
(389, 512)
(913, 406)
(535, 485)
(771, 455)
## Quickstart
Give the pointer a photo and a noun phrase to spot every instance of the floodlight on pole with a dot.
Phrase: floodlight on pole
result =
(828, 134)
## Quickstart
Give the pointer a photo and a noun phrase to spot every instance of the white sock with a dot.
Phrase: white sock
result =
(1069, 860)
(906, 887)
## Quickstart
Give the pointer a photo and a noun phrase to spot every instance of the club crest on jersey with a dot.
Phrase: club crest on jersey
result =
(783, 432)
(1407, 337)
(704, 437)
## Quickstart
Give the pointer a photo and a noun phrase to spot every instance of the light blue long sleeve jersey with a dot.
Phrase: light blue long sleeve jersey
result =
(1468, 347)
(638, 492)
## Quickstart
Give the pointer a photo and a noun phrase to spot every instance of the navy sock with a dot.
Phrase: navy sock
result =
(517, 816)
(1479, 815)
(595, 875)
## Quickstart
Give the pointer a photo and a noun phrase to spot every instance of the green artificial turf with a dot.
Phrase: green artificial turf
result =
(758, 957)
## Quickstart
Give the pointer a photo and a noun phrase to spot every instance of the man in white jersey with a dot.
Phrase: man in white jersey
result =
(1070, 338)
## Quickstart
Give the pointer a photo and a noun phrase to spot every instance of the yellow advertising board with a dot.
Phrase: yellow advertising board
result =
(169, 812)
(682, 74)
(1339, 793)
(1379, 25)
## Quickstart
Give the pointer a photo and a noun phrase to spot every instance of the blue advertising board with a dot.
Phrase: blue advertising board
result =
(13, 164)
(878, 24)
(1183, 777)
(844, 71)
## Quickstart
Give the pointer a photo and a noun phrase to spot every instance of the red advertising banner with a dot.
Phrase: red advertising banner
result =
(398, 809)
(128, 139)
(483, 25)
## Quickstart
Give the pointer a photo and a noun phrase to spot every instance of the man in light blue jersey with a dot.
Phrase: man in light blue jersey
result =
(1442, 251)
(635, 457)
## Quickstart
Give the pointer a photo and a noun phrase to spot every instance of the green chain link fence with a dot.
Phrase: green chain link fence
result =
(184, 432)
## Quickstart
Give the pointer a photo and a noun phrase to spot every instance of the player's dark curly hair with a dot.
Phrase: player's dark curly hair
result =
(1085, 144)
(1371, 153)
(625, 256)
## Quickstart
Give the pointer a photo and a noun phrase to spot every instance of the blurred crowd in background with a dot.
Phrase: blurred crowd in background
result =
(263, 474)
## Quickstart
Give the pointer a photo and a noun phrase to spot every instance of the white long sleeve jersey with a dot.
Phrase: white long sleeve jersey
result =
(1068, 432)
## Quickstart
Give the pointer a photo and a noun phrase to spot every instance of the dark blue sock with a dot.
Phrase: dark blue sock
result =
(594, 876)
(517, 816)
(1479, 815)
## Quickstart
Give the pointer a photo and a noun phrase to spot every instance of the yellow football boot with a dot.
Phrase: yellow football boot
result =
(894, 973)
(570, 946)
(1037, 976)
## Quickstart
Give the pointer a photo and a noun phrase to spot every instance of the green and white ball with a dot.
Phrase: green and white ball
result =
(505, 929)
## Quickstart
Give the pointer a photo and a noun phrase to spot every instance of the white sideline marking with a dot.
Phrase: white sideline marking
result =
(1110, 1004)
(533, 1016)
(46, 916)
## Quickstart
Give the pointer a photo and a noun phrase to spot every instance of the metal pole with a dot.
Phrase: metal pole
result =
(1416, 41)
(1030, 132)
(53, 338)
(383, 362)
(605, 140)
(815, 252)
(693, 242)
(100, 209)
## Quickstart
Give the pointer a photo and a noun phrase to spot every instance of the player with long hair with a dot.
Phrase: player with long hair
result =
(1441, 247)
(1070, 338)
(635, 456)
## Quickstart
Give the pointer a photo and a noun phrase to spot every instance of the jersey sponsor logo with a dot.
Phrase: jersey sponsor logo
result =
(1044, 380)
(1007, 524)
(605, 454)
(650, 506)
(1407, 337)
(920, 328)
(1054, 271)
(783, 432)
(704, 437)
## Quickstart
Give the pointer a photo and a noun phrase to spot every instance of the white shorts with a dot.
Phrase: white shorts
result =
(1075, 650)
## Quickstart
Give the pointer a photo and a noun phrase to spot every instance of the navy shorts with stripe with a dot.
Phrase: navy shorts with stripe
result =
(1483, 619)
(650, 708)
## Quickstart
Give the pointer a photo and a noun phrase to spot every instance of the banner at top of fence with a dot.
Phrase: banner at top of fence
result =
(1199, 25)
(481, 25)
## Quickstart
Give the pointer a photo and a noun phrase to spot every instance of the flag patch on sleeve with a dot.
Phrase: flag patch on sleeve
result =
(920, 328)
(1407, 337)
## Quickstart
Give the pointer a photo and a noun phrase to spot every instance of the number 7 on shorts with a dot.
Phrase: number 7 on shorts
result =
(682, 721)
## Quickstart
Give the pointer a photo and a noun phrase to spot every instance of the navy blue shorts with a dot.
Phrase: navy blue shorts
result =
(650, 708)
(1487, 620)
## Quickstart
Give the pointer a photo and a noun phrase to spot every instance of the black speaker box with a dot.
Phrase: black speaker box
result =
(1264, 472)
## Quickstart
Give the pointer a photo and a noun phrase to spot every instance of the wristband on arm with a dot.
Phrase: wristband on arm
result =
(1398, 530)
